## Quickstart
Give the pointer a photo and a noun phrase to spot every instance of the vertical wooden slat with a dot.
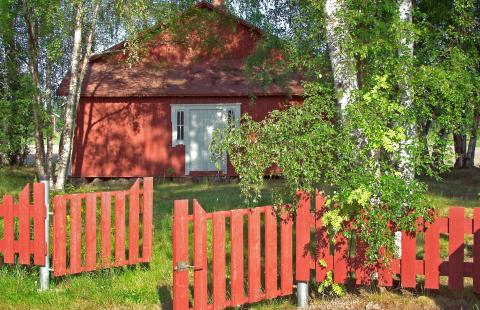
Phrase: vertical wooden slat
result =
(180, 255)
(119, 228)
(362, 271)
(384, 271)
(24, 226)
(106, 229)
(219, 265)
(254, 267)
(133, 223)
(200, 293)
(236, 257)
(39, 215)
(432, 255)
(322, 242)
(302, 243)
(476, 250)
(455, 248)
(340, 257)
(147, 213)
(91, 232)
(75, 234)
(59, 236)
(409, 248)
(8, 230)
(271, 290)
(286, 255)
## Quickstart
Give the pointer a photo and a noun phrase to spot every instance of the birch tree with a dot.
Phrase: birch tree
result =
(78, 67)
(406, 165)
(342, 62)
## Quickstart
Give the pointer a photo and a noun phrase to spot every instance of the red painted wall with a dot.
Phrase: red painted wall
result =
(132, 137)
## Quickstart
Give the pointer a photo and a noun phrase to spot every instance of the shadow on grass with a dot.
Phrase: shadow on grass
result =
(458, 183)
(166, 301)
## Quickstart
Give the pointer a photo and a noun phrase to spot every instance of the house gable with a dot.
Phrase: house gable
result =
(203, 54)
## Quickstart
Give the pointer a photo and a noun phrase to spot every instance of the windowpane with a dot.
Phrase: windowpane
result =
(231, 116)
(180, 125)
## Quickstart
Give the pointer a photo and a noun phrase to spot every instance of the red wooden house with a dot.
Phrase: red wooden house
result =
(155, 117)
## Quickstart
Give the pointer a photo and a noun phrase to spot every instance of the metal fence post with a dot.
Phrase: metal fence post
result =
(398, 244)
(45, 270)
(302, 294)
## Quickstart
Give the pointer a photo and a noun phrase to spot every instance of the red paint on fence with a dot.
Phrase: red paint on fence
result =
(237, 258)
(271, 290)
(455, 248)
(432, 256)
(200, 256)
(24, 211)
(270, 225)
(180, 255)
(278, 254)
(219, 264)
(302, 227)
(67, 221)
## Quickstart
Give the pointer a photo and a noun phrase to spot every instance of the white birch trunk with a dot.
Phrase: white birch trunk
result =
(79, 67)
(406, 164)
(343, 64)
(67, 130)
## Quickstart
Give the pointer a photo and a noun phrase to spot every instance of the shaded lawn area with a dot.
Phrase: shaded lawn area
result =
(150, 286)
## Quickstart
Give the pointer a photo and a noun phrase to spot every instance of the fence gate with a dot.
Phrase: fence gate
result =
(119, 224)
(16, 217)
(246, 253)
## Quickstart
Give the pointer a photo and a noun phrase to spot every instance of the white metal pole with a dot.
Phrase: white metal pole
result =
(302, 294)
(45, 270)
(398, 244)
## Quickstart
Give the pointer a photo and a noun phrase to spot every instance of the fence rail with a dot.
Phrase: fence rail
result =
(82, 227)
(18, 238)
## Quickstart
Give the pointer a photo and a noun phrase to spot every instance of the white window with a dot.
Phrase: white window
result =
(231, 116)
(178, 127)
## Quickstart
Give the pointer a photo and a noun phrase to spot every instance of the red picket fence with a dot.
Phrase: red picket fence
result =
(22, 213)
(263, 271)
(309, 254)
(85, 220)
(407, 268)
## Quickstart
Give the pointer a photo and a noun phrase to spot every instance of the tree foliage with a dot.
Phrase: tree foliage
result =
(355, 155)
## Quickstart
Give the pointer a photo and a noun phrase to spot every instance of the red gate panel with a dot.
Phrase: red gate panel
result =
(24, 212)
(91, 214)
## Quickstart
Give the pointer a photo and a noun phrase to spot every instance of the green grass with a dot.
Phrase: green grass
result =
(150, 286)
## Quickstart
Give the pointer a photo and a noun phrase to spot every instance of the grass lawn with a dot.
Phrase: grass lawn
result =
(150, 286)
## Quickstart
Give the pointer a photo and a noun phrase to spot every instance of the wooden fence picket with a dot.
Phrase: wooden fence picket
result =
(432, 256)
(106, 229)
(24, 226)
(180, 255)
(286, 253)
(271, 290)
(476, 250)
(8, 230)
(91, 232)
(237, 257)
(200, 256)
(219, 267)
(254, 268)
(455, 248)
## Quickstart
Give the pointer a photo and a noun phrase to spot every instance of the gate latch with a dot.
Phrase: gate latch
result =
(183, 265)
